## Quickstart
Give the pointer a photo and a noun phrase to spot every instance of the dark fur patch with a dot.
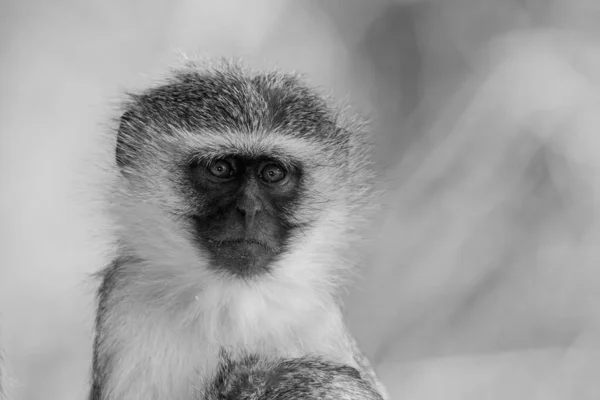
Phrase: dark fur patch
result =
(223, 223)
(256, 377)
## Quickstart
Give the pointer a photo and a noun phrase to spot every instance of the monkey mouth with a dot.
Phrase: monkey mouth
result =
(241, 242)
(243, 257)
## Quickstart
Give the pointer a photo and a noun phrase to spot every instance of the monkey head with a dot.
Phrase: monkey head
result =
(252, 170)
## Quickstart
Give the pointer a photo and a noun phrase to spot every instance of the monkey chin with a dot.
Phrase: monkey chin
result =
(242, 258)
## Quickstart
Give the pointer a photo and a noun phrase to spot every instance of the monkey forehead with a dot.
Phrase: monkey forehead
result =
(289, 150)
(231, 99)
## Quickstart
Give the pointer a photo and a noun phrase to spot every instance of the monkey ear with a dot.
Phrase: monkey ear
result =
(124, 151)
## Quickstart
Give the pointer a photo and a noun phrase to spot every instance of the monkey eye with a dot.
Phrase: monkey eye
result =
(272, 173)
(221, 169)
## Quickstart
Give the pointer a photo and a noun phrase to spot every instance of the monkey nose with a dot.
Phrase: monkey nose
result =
(249, 209)
(249, 217)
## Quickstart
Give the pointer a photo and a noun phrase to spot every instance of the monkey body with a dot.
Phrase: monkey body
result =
(272, 321)
(236, 198)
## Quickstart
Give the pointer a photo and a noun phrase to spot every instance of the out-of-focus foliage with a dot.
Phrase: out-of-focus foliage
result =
(481, 280)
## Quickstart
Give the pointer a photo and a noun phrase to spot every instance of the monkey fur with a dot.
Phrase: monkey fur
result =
(237, 197)
(255, 377)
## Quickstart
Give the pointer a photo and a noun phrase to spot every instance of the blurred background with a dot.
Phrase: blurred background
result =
(480, 280)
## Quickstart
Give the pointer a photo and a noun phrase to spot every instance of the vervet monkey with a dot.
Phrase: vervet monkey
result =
(237, 197)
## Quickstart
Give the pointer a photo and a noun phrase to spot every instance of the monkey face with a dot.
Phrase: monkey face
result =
(245, 219)
(242, 173)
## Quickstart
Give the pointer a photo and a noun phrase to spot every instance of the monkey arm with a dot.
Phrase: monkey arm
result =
(247, 376)
(365, 367)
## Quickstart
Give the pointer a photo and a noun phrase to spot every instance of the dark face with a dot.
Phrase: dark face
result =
(246, 220)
